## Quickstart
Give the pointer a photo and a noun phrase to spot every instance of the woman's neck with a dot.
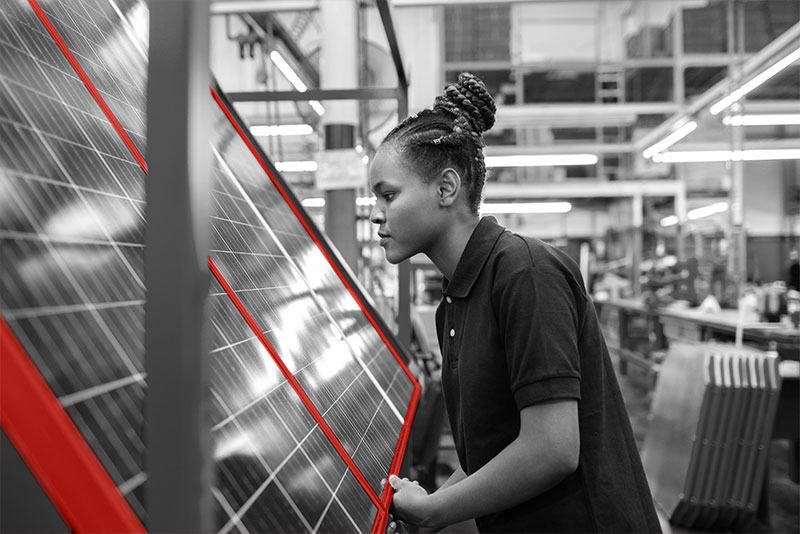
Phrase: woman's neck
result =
(449, 248)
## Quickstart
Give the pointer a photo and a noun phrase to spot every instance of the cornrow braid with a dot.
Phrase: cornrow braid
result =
(450, 135)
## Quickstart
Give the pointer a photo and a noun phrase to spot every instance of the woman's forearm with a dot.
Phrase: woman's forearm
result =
(457, 476)
(538, 459)
(510, 478)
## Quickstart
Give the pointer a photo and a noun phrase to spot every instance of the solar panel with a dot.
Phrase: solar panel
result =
(316, 325)
(71, 232)
(311, 402)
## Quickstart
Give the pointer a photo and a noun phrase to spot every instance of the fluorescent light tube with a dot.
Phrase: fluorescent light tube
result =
(704, 156)
(281, 129)
(693, 156)
(296, 166)
(755, 82)
(313, 202)
(526, 207)
(778, 119)
(670, 140)
(705, 211)
(317, 106)
(287, 71)
(294, 79)
(545, 160)
(366, 201)
(669, 220)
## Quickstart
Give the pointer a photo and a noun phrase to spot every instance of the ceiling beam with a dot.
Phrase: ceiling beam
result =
(566, 148)
(584, 189)
(363, 93)
(588, 114)
(236, 7)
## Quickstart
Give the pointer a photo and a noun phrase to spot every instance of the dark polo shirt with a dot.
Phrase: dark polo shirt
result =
(517, 328)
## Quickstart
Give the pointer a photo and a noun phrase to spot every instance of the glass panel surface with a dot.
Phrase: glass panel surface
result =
(72, 287)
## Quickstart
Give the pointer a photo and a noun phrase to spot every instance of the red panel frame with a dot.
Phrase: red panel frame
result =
(69, 473)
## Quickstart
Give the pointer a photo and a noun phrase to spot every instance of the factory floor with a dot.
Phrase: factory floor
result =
(783, 493)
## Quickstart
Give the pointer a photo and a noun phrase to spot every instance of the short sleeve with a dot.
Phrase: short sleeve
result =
(538, 321)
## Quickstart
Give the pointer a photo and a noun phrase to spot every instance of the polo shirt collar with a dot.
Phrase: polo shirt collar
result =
(475, 254)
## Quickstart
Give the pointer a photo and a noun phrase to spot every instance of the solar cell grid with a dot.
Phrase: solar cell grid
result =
(269, 441)
(72, 289)
(359, 417)
(72, 83)
(305, 269)
(107, 57)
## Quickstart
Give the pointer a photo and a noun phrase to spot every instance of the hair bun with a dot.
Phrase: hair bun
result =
(469, 98)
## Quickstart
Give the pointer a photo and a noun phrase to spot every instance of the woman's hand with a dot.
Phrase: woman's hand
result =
(395, 526)
(411, 502)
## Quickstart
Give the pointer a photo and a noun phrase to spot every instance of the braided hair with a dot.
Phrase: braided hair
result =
(450, 135)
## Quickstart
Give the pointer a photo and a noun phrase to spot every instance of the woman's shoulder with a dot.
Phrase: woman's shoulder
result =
(517, 255)
(516, 250)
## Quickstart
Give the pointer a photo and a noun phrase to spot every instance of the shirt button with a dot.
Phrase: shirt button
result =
(449, 300)
(452, 332)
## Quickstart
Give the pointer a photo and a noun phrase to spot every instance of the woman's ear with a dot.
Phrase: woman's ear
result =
(449, 187)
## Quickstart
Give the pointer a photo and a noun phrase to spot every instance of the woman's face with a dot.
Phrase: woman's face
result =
(406, 210)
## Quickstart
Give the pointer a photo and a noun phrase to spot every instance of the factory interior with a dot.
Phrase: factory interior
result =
(201, 332)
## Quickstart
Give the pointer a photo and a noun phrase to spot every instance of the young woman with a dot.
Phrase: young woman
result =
(541, 432)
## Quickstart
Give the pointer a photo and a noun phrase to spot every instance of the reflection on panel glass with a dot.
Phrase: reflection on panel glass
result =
(72, 220)
(72, 287)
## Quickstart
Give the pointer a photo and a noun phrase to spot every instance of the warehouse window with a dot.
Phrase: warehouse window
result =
(705, 29)
(766, 20)
(649, 84)
(559, 86)
(784, 86)
(698, 79)
(477, 33)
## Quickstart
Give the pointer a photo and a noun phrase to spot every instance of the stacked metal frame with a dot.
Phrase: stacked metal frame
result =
(312, 403)
(706, 449)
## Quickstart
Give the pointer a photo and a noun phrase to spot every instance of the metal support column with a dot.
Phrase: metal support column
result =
(178, 185)
(678, 63)
(339, 69)
(404, 269)
(637, 204)
(680, 211)
(737, 253)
